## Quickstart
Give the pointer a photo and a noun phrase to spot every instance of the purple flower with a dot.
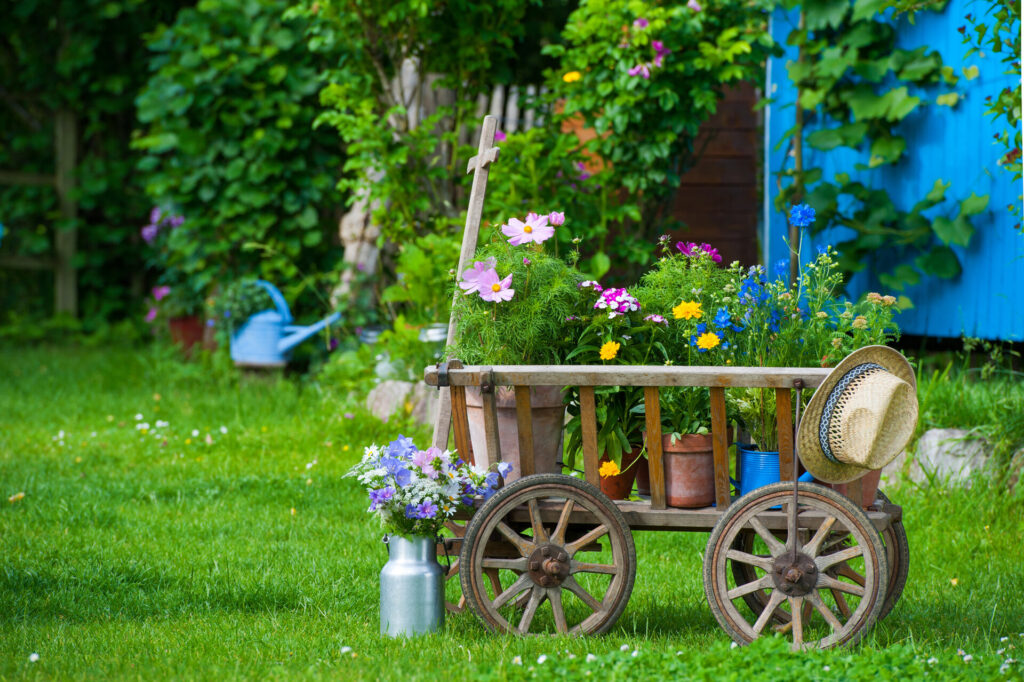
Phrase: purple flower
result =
(151, 315)
(154, 215)
(556, 218)
(801, 215)
(149, 233)
(500, 136)
(641, 70)
(591, 284)
(174, 221)
(401, 447)
(423, 458)
(694, 5)
(526, 261)
(349, 415)
(536, 229)
(211, 322)
(583, 170)
(571, 318)
(160, 292)
(425, 510)
(379, 497)
(694, 249)
(495, 290)
(658, 319)
(471, 278)
(617, 302)
(641, 23)
(660, 52)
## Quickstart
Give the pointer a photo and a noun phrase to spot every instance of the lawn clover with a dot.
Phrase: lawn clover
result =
(535, 229)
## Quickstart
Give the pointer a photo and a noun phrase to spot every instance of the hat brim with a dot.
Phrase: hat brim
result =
(808, 444)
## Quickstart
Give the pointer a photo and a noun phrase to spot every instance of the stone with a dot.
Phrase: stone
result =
(392, 396)
(387, 397)
(1016, 469)
(948, 456)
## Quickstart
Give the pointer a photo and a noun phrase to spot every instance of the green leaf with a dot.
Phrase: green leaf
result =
(849, 135)
(957, 231)
(820, 14)
(970, 72)
(973, 204)
(948, 99)
(938, 192)
(600, 264)
(866, 9)
(901, 277)
(887, 150)
(941, 261)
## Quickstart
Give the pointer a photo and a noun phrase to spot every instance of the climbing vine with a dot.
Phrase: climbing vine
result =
(855, 89)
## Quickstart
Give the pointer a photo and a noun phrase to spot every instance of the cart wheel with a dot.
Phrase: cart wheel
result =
(795, 574)
(532, 533)
(450, 556)
(897, 556)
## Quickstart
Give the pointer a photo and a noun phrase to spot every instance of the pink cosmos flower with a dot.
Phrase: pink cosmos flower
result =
(471, 278)
(423, 458)
(151, 315)
(500, 136)
(641, 70)
(536, 229)
(556, 218)
(494, 289)
(160, 292)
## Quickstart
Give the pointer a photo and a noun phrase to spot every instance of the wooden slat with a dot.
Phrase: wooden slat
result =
(460, 424)
(652, 410)
(784, 422)
(588, 425)
(524, 424)
(719, 436)
(635, 375)
(9, 177)
(492, 444)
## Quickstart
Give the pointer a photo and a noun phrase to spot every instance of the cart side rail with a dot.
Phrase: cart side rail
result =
(651, 378)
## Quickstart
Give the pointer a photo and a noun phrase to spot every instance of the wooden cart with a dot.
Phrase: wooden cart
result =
(822, 570)
(550, 553)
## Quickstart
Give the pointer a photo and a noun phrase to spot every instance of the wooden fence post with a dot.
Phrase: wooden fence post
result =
(66, 240)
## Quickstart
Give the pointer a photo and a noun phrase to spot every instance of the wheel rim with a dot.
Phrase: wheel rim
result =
(548, 580)
(825, 607)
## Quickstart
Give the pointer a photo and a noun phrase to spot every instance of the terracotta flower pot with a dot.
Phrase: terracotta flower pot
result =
(868, 486)
(186, 332)
(689, 470)
(619, 486)
(548, 412)
(643, 477)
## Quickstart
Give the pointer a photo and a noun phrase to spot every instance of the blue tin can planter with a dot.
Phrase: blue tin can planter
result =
(268, 337)
(758, 469)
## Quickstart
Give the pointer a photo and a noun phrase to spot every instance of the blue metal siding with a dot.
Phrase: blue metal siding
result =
(954, 144)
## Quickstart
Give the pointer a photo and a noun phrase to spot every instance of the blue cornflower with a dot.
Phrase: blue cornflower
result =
(801, 215)
(752, 290)
(722, 318)
(781, 269)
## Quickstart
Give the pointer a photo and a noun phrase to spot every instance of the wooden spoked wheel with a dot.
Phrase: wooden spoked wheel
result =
(897, 559)
(796, 573)
(562, 549)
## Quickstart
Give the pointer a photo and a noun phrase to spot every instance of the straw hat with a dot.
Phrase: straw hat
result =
(861, 416)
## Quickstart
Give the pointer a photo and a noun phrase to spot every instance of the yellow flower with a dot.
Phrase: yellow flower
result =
(687, 310)
(953, 581)
(609, 469)
(572, 76)
(609, 350)
(860, 322)
(708, 340)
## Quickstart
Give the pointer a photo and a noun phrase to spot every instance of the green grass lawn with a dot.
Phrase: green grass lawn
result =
(240, 551)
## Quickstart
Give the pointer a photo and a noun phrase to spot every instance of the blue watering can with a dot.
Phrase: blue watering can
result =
(267, 338)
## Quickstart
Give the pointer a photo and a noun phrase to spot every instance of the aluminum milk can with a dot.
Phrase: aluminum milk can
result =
(411, 588)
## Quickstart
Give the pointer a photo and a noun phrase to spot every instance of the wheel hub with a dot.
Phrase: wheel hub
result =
(794, 574)
(548, 565)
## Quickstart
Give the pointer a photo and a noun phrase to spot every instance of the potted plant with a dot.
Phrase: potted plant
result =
(515, 301)
(177, 301)
(413, 493)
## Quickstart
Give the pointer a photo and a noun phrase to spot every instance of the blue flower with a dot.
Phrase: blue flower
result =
(401, 447)
(801, 215)
(380, 496)
(781, 269)
(722, 318)
(822, 250)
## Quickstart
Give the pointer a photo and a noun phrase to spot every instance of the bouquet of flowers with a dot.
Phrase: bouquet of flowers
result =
(414, 492)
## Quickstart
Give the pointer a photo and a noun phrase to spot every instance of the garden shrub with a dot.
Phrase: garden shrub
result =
(227, 117)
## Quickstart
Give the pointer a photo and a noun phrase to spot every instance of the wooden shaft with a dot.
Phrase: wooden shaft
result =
(588, 427)
(634, 375)
(720, 446)
(492, 443)
(655, 462)
(460, 419)
(784, 422)
(524, 423)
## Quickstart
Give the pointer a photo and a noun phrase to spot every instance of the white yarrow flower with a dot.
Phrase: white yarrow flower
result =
(591, 658)
(33, 657)
(542, 658)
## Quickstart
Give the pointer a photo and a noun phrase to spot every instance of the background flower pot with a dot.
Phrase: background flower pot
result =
(548, 413)
(186, 331)
(868, 486)
(619, 486)
(689, 470)
(643, 477)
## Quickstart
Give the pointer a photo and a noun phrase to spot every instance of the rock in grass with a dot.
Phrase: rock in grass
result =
(949, 456)
(392, 396)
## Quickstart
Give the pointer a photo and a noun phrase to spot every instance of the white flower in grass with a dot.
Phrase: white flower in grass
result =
(33, 657)
(345, 650)
(826, 668)
(162, 424)
(1004, 639)
(517, 660)
(733, 645)
(542, 658)
(932, 660)
(1000, 652)
(591, 658)
(195, 433)
(624, 647)
(636, 652)
(138, 417)
(968, 658)
(223, 429)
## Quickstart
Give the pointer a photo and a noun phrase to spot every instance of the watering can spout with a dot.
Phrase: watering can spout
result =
(297, 335)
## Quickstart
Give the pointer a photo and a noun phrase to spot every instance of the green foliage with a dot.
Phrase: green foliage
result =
(646, 128)
(88, 57)
(422, 272)
(854, 87)
(240, 300)
(227, 114)
(998, 30)
(531, 328)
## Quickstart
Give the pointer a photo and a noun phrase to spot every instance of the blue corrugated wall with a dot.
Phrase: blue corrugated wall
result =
(954, 144)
